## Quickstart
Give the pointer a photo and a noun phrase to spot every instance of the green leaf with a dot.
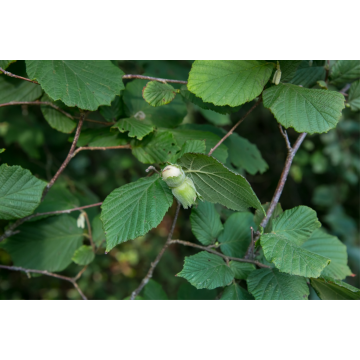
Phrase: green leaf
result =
(331, 289)
(236, 236)
(306, 110)
(216, 118)
(133, 209)
(157, 94)
(20, 192)
(160, 116)
(206, 271)
(55, 118)
(217, 184)
(345, 71)
(194, 146)
(205, 223)
(229, 82)
(114, 111)
(245, 155)
(288, 69)
(296, 224)
(241, 270)
(259, 216)
(84, 255)
(154, 291)
(2, 150)
(189, 96)
(158, 147)
(236, 292)
(189, 292)
(23, 91)
(308, 73)
(135, 127)
(48, 244)
(5, 63)
(354, 96)
(100, 137)
(331, 247)
(98, 233)
(82, 83)
(270, 284)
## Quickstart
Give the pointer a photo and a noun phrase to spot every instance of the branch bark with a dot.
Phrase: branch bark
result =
(129, 76)
(149, 274)
(17, 76)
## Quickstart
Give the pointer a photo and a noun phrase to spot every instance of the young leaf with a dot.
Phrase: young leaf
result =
(241, 270)
(48, 244)
(154, 291)
(331, 247)
(217, 184)
(205, 223)
(236, 236)
(345, 71)
(82, 83)
(23, 91)
(84, 255)
(20, 192)
(157, 94)
(189, 292)
(133, 209)
(331, 289)
(236, 292)
(270, 284)
(229, 82)
(306, 110)
(308, 73)
(354, 96)
(206, 271)
(136, 128)
(161, 116)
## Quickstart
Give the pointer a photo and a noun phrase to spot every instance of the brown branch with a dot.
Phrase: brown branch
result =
(68, 158)
(17, 76)
(149, 274)
(129, 76)
(44, 272)
(227, 258)
(127, 146)
(89, 231)
(9, 232)
(235, 126)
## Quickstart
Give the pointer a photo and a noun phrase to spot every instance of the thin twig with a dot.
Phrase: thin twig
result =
(68, 158)
(345, 89)
(149, 274)
(235, 126)
(127, 146)
(227, 258)
(285, 136)
(17, 76)
(89, 231)
(129, 76)
(44, 272)
(9, 232)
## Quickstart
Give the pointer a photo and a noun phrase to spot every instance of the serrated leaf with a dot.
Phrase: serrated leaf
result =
(157, 94)
(306, 110)
(245, 155)
(194, 146)
(288, 69)
(158, 147)
(189, 292)
(354, 96)
(84, 255)
(345, 71)
(134, 209)
(136, 128)
(259, 216)
(154, 291)
(160, 116)
(296, 224)
(21, 91)
(101, 137)
(206, 271)
(229, 82)
(98, 233)
(189, 96)
(308, 73)
(55, 118)
(271, 284)
(241, 270)
(236, 292)
(205, 223)
(82, 83)
(48, 244)
(217, 184)
(20, 192)
(236, 236)
(331, 247)
(114, 111)
(331, 289)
